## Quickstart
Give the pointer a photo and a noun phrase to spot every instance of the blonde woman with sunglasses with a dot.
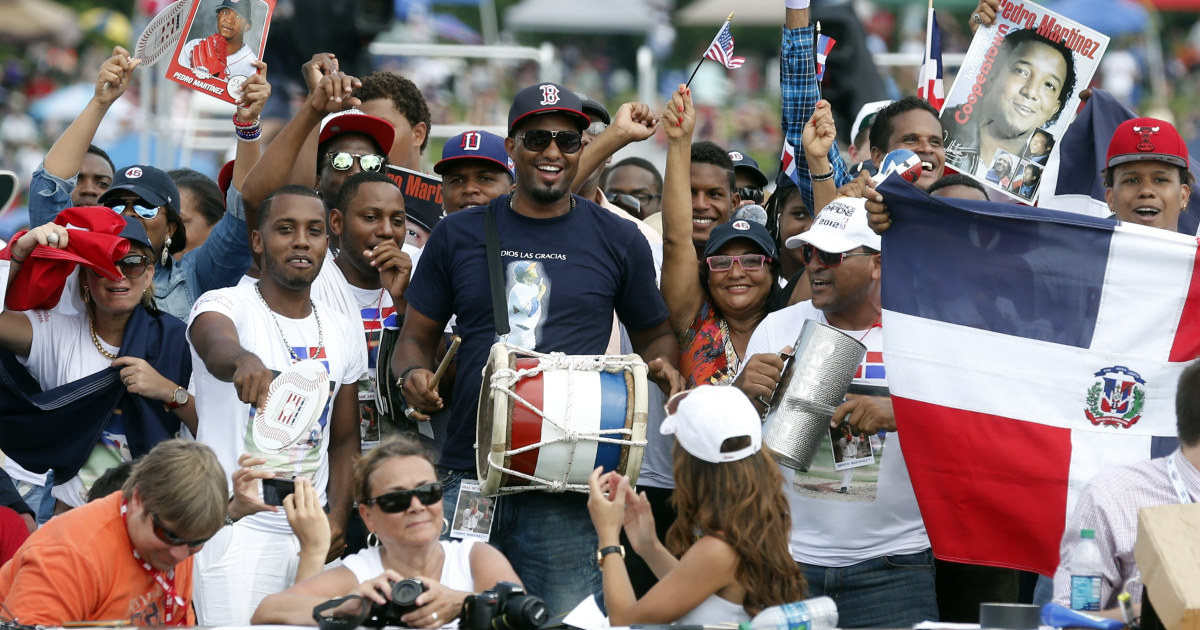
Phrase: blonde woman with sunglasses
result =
(400, 501)
(123, 359)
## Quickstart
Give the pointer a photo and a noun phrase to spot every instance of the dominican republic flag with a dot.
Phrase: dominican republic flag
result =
(787, 162)
(1027, 350)
(721, 49)
(930, 85)
(1077, 184)
(824, 47)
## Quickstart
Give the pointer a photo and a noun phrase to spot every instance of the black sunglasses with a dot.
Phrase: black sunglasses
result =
(751, 194)
(537, 140)
(134, 266)
(400, 500)
(829, 260)
(343, 161)
(171, 538)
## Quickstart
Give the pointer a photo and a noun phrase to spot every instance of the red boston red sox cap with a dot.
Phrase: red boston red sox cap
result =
(1146, 139)
(546, 98)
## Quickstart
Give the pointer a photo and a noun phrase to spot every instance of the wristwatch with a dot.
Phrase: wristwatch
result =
(604, 551)
(179, 398)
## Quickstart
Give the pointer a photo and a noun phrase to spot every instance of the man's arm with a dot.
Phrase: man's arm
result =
(680, 286)
(64, 159)
(660, 350)
(419, 337)
(215, 339)
(274, 168)
(344, 446)
(634, 122)
(800, 93)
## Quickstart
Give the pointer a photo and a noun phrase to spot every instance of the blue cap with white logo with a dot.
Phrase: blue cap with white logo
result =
(475, 145)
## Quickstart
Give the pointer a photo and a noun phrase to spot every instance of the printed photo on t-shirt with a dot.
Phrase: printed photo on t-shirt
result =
(473, 513)
(845, 468)
(528, 292)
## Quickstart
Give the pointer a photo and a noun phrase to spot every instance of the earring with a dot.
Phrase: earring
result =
(445, 526)
(87, 295)
(166, 254)
(372, 539)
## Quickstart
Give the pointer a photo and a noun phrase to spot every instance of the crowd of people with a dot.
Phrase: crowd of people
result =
(157, 477)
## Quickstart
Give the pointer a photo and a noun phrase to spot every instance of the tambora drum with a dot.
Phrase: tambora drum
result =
(547, 420)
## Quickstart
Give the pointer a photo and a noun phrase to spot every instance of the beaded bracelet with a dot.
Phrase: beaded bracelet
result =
(239, 124)
(249, 135)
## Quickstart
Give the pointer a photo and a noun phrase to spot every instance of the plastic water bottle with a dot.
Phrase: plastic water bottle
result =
(1086, 568)
(818, 613)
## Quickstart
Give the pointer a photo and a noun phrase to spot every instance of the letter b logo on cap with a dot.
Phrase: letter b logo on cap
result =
(549, 95)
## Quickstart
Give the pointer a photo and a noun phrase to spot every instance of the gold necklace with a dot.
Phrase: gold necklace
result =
(96, 341)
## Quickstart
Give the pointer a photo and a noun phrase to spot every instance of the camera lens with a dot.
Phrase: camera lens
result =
(523, 612)
(405, 592)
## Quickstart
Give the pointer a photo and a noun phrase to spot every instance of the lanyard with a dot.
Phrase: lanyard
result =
(1177, 479)
(174, 608)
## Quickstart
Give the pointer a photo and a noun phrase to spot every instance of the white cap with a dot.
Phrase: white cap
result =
(870, 109)
(702, 419)
(840, 227)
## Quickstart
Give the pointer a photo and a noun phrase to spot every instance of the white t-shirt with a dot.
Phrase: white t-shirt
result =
(374, 308)
(62, 351)
(881, 518)
(224, 421)
(456, 568)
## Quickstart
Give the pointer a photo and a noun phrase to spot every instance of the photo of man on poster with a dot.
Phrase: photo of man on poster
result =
(1030, 81)
(225, 53)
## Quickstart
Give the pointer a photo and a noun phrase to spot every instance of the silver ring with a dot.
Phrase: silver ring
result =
(52, 238)
(435, 616)
(975, 17)
(409, 411)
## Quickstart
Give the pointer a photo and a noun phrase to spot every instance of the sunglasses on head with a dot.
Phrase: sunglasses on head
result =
(134, 265)
(400, 500)
(343, 161)
(140, 206)
(751, 194)
(537, 140)
(171, 538)
(749, 262)
(829, 260)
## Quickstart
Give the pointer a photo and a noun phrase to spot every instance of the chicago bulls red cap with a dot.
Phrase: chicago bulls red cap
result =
(1147, 139)
(546, 98)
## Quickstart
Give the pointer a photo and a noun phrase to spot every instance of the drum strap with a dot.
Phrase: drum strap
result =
(491, 239)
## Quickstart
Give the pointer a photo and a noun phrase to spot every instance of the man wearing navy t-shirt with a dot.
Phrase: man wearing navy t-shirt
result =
(579, 263)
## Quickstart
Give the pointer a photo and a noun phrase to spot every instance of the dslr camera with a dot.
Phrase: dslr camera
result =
(402, 601)
(504, 607)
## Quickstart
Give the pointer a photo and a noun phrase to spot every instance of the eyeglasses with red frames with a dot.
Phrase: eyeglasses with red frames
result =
(748, 262)
(827, 259)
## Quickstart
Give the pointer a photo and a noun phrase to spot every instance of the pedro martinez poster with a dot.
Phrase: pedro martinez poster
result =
(1015, 94)
(223, 39)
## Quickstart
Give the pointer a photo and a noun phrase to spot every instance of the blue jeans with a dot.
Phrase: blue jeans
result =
(890, 592)
(38, 498)
(548, 538)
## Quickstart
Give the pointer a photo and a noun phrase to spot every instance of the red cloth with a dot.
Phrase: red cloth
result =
(93, 242)
(13, 532)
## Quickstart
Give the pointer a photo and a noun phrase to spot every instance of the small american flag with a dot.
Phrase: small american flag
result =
(930, 85)
(824, 47)
(721, 49)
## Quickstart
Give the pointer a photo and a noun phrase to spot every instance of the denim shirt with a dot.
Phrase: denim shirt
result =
(218, 263)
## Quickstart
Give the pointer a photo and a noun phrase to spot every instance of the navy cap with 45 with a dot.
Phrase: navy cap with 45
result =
(475, 145)
(741, 228)
(546, 98)
(147, 182)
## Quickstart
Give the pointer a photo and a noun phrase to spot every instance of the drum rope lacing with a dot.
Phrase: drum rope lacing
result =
(568, 362)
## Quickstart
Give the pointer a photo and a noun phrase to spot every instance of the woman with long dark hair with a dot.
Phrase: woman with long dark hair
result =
(726, 555)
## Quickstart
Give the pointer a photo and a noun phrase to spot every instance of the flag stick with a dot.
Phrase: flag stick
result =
(703, 57)
(816, 44)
